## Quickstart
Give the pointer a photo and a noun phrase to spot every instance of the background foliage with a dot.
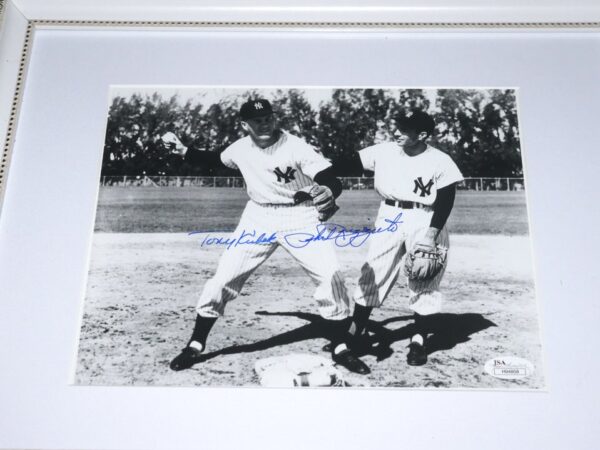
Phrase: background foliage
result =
(478, 128)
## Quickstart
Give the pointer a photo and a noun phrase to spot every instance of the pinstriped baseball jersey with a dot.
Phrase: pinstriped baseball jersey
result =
(275, 173)
(272, 176)
(399, 176)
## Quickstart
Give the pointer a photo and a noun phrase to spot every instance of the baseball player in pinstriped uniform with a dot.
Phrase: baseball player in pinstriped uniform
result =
(276, 167)
(420, 182)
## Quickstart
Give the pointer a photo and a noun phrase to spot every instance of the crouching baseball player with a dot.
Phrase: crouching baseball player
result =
(292, 189)
(418, 182)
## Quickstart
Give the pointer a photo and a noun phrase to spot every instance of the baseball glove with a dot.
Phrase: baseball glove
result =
(424, 262)
(322, 198)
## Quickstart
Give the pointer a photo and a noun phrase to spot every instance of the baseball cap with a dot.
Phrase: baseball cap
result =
(417, 121)
(255, 108)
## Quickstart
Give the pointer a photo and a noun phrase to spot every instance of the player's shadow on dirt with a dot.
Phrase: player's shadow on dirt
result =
(314, 329)
(446, 331)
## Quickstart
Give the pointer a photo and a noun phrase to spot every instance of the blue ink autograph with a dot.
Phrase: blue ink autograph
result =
(342, 236)
(339, 234)
(246, 238)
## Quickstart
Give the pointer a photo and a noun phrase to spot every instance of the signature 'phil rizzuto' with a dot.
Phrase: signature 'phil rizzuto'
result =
(341, 235)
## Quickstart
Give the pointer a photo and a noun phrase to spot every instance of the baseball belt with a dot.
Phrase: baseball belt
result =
(406, 205)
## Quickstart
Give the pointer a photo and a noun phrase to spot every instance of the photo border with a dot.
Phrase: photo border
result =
(541, 388)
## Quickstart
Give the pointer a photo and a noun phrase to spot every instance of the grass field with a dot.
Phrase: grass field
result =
(184, 209)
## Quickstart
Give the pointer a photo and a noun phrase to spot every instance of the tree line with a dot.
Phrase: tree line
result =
(478, 128)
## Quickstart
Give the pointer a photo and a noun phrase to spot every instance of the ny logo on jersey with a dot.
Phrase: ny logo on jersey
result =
(285, 177)
(258, 105)
(424, 188)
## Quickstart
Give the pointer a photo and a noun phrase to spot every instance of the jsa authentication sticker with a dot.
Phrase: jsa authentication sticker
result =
(509, 367)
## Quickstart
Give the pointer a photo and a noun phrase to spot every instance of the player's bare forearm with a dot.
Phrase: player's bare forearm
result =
(444, 202)
(327, 178)
(432, 233)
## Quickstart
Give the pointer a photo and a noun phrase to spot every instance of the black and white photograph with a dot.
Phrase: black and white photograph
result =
(311, 237)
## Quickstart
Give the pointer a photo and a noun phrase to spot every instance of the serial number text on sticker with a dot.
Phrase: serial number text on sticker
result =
(509, 367)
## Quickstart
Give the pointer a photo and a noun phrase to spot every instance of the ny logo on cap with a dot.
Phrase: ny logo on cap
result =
(258, 105)
(424, 188)
(285, 177)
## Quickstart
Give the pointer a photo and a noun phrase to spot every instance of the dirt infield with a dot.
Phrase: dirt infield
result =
(142, 289)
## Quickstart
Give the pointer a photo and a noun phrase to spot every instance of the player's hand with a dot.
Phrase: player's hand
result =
(429, 238)
(172, 143)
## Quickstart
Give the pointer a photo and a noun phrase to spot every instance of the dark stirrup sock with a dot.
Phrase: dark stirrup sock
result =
(420, 325)
(359, 319)
(201, 329)
(338, 330)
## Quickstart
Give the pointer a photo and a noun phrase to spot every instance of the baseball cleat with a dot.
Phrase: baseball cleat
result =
(350, 361)
(417, 355)
(186, 359)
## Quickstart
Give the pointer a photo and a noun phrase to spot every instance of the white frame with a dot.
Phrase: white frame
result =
(549, 422)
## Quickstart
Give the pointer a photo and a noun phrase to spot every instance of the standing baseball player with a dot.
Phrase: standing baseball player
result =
(292, 188)
(419, 182)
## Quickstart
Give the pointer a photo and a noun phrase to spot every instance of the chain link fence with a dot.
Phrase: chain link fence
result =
(351, 183)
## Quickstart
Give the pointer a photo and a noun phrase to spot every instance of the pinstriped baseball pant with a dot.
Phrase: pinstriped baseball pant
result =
(384, 261)
(237, 263)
